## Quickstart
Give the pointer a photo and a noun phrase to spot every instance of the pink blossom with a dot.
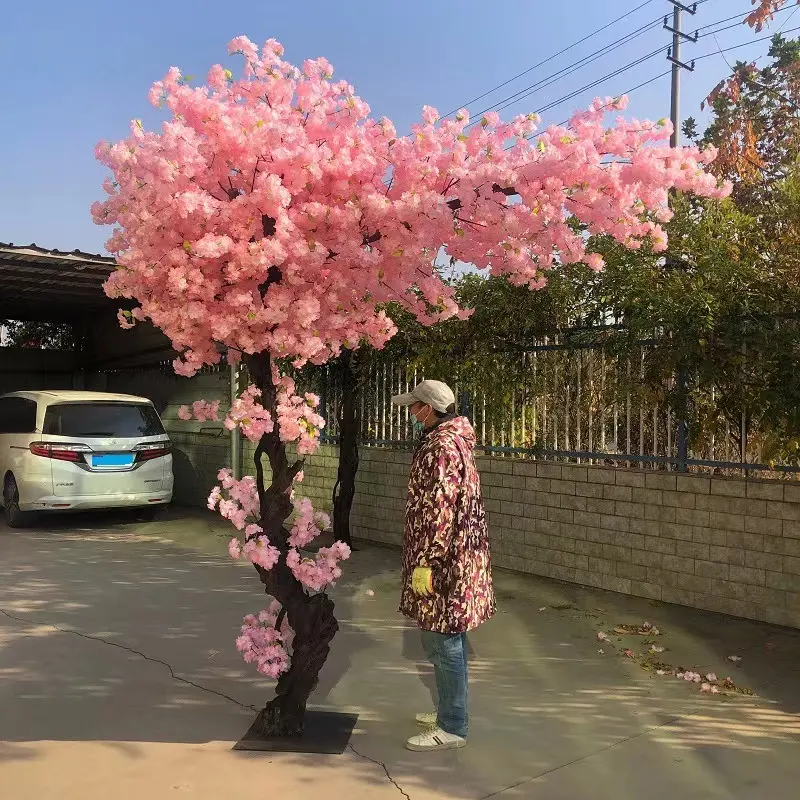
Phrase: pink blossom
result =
(307, 523)
(321, 571)
(214, 497)
(192, 254)
(261, 644)
(595, 262)
(261, 552)
(250, 415)
(234, 548)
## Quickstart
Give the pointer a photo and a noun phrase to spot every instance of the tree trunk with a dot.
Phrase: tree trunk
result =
(310, 616)
(345, 489)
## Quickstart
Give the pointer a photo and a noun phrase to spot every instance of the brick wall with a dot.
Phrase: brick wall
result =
(719, 544)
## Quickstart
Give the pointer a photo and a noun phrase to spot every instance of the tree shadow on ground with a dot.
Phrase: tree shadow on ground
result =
(542, 697)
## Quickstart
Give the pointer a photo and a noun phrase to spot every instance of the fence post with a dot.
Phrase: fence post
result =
(464, 404)
(683, 427)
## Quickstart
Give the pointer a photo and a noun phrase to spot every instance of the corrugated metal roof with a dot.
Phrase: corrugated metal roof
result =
(41, 284)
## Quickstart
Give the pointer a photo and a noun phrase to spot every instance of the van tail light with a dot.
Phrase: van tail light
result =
(151, 450)
(60, 452)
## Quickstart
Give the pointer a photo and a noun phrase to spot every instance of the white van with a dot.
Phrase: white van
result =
(65, 450)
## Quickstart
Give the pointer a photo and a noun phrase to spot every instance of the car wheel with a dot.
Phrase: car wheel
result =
(148, 513)
(14, 517)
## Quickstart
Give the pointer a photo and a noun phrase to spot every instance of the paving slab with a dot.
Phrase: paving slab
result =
(118, 674)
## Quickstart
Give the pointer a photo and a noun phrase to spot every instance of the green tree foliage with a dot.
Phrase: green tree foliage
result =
(37, 335)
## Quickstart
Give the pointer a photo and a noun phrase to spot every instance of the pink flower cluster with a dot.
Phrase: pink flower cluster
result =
(322, 570)
(296, 253)
(201, 410)
(256, 548)
(241, 501)
(307, 523)
(261, 644)
(249, 415)
(298, 421)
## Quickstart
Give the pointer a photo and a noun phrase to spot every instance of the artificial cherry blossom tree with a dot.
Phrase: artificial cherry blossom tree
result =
(270, 219)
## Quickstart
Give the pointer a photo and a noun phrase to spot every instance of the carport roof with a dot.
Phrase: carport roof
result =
(51, 285)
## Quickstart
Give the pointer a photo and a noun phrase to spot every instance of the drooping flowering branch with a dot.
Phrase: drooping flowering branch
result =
(259, 218)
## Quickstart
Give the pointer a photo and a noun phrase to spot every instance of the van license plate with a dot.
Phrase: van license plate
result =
(112, 460)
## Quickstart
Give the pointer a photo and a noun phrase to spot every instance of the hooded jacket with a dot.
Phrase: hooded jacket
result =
(445, 529)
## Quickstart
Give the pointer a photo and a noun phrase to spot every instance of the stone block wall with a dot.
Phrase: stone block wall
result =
(726, 545)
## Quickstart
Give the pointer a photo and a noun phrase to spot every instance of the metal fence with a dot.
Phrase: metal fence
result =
(574, 404)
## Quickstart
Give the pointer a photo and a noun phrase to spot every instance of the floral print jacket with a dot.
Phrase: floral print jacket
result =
(445, 529)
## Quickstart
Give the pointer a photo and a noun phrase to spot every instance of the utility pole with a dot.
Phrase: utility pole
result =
(674, 56)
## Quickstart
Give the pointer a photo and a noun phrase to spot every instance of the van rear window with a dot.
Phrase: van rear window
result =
(85, 420)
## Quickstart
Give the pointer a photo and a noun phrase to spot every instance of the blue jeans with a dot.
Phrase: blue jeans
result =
(448, 654)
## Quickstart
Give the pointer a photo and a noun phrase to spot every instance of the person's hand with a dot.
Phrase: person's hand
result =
(422, 582)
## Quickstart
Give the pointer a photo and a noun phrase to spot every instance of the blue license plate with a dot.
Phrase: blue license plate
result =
(112, 460)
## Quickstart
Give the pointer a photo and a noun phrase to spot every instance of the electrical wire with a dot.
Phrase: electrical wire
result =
(629, 66)
(549, 80)
(742, 44)
(550, 58)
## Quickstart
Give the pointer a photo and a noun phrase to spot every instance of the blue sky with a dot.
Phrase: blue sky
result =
(78, 72)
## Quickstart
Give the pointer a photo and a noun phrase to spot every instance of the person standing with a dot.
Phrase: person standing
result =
(447, 572)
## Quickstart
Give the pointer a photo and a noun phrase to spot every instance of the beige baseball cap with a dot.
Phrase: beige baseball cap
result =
(436, 394)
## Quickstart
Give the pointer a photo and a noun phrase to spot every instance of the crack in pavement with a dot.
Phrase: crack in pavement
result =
(385, 769)
(29, 621)
(176, 677)
(583, 758)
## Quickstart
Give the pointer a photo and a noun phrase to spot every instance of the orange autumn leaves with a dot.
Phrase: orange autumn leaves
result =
(764, 12)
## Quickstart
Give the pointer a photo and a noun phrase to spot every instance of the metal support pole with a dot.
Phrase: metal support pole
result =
(236, 450)
(674, 56)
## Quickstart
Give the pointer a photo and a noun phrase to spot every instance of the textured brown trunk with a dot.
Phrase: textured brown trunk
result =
(311, 617)
(345, 489)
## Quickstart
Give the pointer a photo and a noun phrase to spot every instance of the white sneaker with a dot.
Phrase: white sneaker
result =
(435, 739)
(427, 720)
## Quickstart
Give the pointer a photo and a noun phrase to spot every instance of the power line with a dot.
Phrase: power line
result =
(743, 44)
(499, 105)
(554, 56)
(647, 82)
(626, 92)
(594, 83)
(549, 80)
(635, 63)
(739, 23)
(740, 16)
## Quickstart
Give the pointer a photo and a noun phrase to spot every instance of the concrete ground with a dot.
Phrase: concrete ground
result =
(104, 620)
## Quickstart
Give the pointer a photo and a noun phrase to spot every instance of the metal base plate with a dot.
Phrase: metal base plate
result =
(326, 732)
